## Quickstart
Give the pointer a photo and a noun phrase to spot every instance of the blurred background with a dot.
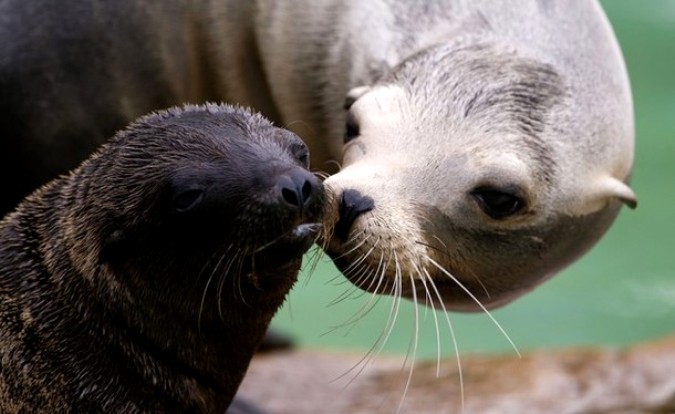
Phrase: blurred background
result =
(622, 292)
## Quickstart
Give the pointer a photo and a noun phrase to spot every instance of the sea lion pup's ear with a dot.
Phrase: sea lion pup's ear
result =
(602, 190)
(354, 94)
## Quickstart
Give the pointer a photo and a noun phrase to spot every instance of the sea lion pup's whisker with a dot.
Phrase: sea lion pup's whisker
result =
(478, 302)
(237, 257)
(453, 337)
(209, 280)
(313, 258)
(207, 263)
(239, 275)
(268, 244)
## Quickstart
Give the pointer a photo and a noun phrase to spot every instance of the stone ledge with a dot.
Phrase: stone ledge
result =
(588, 380)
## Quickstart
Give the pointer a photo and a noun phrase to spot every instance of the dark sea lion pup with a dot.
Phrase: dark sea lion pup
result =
(144, 280)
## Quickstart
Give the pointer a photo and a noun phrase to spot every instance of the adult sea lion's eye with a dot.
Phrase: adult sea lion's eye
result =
(351, 128)
(498, 204)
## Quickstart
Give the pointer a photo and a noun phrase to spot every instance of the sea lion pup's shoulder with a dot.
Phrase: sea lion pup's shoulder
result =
(144, 280)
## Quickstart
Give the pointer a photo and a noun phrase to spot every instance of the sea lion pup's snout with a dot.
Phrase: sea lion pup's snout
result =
(298, 190)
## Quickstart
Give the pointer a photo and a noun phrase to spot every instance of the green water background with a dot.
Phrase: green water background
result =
(621, 292)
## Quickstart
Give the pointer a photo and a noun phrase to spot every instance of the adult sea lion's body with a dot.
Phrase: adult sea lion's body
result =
(144, 280)
(488, 142)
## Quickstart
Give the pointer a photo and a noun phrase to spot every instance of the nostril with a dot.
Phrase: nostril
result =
(290, 196)
(297, 189)
(306, 190)
(353, 204)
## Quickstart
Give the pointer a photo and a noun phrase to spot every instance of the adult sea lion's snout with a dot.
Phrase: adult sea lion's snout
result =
(352, 205)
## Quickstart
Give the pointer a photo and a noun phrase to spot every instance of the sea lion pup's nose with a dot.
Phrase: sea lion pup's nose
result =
(352, 205)
(298, 189)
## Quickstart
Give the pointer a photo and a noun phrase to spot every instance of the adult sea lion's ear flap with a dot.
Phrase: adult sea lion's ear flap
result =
(354, 94)
(619, 189)
(601, 191)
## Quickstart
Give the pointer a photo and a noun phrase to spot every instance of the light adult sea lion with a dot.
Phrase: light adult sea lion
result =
(488, 143)
(144, 280)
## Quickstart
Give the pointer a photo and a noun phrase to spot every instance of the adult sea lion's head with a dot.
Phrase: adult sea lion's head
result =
(472, 174)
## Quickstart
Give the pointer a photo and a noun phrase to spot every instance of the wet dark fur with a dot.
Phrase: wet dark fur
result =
(123, 290)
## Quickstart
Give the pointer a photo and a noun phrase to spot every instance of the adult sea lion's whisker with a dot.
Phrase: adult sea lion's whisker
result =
(356, 238)
(414, 344)
(372, 300)
(384, 334)
(453, 337)
(477, 301)
(431, 304)
(450, 257)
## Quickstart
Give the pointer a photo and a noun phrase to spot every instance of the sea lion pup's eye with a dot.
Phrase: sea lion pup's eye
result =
(301, 153)
(186, 200)
(498, 203)
(351, 128)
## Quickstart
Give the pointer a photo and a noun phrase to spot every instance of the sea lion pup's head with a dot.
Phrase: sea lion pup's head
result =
(196, 206)
(473, 173)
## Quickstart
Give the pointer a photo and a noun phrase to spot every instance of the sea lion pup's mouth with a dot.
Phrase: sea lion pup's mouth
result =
(268, 265)
(292, 243)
